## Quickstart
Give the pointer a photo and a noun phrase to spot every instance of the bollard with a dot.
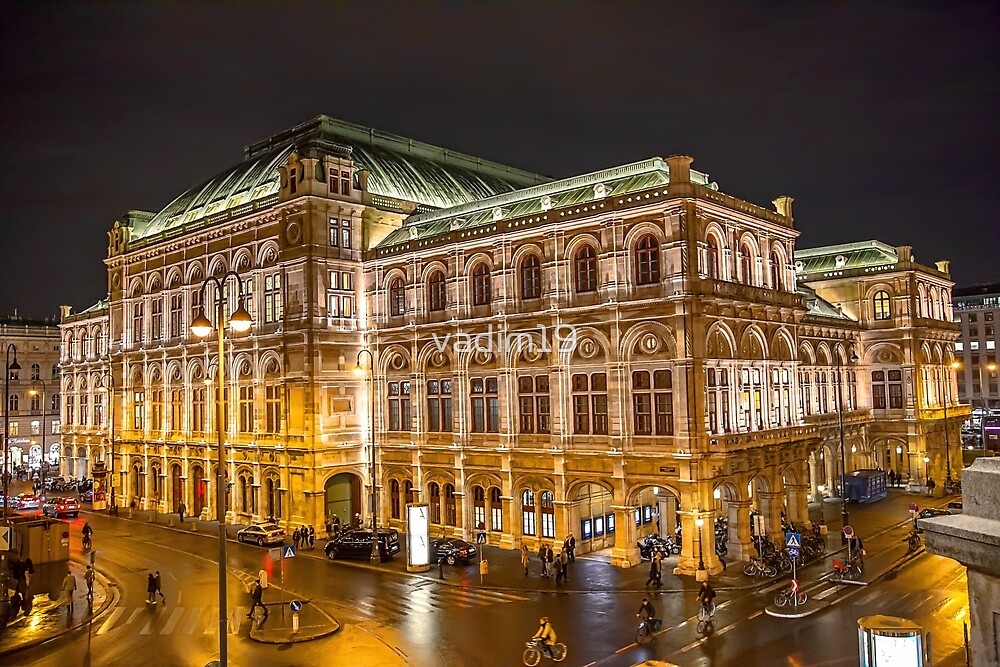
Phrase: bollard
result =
(441, 568)
(295, 623)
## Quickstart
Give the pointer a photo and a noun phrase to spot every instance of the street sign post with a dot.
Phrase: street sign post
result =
(296, 607)
(5, 538)
(793, 542)
(288, 551)
(274, 554)
(848, 532)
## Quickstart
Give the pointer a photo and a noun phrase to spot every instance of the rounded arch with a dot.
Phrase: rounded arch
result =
(807, 355)
(525, 249)
(633, 492)
(750, 240)
(476, 259)
(728, 491)
(194, 273)
(135, 289)
(393, 359)
(925, 353)
(753, 344)
(883, 353)
(342, 495)
(218, 266)
(782, 346)
(714, 229)
(823, 355)
(721, 342)
(431, 268)
(938, 357)
(242, 366)
(153, 282)
(644, 228)
(267, 253)
(174, 278)
(243, 260)
(154, 374)
(653, 338)
(597, 350)
(392, 275)
(578, 240)
(269, 364)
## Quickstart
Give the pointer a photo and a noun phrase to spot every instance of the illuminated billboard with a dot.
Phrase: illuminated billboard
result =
(418, 543)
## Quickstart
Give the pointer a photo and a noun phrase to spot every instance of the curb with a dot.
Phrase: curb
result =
(110, 586)
(292, 639)
(792, 612)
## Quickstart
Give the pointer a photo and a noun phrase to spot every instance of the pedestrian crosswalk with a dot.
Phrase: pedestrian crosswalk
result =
(161, 620)
(426, 597)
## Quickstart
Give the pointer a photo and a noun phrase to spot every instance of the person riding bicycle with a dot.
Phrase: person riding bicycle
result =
(705, 596)
(546, 634)
(646, 609)
(87, 534)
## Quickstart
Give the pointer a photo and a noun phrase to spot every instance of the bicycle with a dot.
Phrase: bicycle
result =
(912, 541)
(850, 571)
(706, 617)
(790, 596)
(88, 543)
(535, 648)
(647, 630)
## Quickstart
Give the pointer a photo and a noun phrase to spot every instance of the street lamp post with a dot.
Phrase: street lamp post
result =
(699, 522)
(44, 464)
(899, 453)
(241, 321)
(109, 377)
(373, 502)
(9, 366)
(927, 469)
(844, 514)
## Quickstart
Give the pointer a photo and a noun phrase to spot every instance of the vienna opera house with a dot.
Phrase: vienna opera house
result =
(607, 355)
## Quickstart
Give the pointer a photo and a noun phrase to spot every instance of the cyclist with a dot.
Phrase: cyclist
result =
(705, 596)
(546, 634)
(87, 534)
(646, 609)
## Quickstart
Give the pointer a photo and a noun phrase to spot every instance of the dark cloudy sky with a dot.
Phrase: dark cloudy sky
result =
(879, 118)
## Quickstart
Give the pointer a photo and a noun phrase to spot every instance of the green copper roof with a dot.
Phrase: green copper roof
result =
(612, 182)
(398, 167)
(817, 305)
(844, 257)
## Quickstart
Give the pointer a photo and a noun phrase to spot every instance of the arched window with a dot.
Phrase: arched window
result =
(394, 499)
(36, 372)
(528, 512)
(13, 401)
(548, 515)
(450, 506)
(713, 258)
(776, 271)
(436, 291)
(585, 269)
(397, 297)
(481, 287)
(496, 509)
(881, 305)
(647, 260)
(746, 264)
(408, 494)
(531, 277)
(478, 506)
(435, 503)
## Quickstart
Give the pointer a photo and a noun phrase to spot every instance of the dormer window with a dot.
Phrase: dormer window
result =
(292, 181)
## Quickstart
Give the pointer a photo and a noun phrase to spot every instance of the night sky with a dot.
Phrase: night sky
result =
(879, 118)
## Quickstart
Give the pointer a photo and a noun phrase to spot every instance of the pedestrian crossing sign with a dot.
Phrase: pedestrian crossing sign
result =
(288, 551)
(793, 540)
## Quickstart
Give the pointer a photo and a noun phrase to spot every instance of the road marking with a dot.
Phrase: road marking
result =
(115, 615)
(919, 603)
(148, 629)
(175, 617)
(755, 614)
(725, 629)
(463, 597)
(626, 648)
(193, 622)
(134, 614)
(828, 592)
(692, 645)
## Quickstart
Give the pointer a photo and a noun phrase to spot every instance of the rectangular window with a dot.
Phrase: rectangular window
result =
(137, 317)
(176, 410)
(895, 390)
(246, 409)
(345, 234)
(439, 406)
(198, 409)
(399, 406)
(345, 183)
(533, 400)
(652, 403)
(485, 405)
(334, 183)
(590, 403)
(347, 306)
(272, 408)
(334, 233)
(273, 310)
(156, 315)
(332, 305)
(347, 281)
(138, 409)
(176, 314)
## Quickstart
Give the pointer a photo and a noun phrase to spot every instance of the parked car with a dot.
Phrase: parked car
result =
(87, 496)
(59, 507)
(261, 534)
(28, 501)
(357, 543)
(929, 512)
(452, 550)
(955, 507)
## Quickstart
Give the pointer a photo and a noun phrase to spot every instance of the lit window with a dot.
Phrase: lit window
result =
(647, 261)
(397, 297)
(531, 277)
(585, 269)
(481, 285)
(881, 305)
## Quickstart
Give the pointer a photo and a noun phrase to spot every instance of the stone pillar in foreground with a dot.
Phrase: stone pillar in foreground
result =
(973, 539)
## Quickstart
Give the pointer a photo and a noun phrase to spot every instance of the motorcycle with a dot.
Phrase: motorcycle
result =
(653, 544)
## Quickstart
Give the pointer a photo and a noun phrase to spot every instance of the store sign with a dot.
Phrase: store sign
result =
(418, 544)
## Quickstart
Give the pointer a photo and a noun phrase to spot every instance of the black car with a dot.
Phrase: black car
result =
(357, 543)
(452, 550)
(929, 512)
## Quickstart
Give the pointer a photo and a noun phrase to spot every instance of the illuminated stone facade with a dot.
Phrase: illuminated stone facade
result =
(590, 354)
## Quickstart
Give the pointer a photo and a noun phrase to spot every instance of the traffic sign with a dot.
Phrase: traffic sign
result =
(793, 552)
(793, 540)
(274, 553)
(913, 507)
(5, 538)
(296, 606)
(288, 551)
(848, 530)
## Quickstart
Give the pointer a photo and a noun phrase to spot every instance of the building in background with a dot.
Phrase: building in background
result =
(34, 398)
(977, 310)
(609, 354)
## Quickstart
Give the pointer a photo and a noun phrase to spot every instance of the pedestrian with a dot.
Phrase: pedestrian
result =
(256, 595)
(68, 587)
(88, 577)
(541, 557)
(329, 528)
(564, 557)
(16, 602)
(892, 478)
(296, 537)
(525, 558)
(558, 567)
(572, 548)
(930, 486)
(312, 538)
(180, 511)
(151, 589)
(29, 569)
(550, 557)
(659, 569)
(357, 519)
(159, 588)
(653, 571)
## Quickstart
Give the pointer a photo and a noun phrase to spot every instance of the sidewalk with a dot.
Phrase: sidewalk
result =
(49, 618)
(278, 627)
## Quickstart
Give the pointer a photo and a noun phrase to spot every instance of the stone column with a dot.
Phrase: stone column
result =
(770, 506)
(668, 523)
(625, 552)
(691, 540)
(798, 503)
(814, 474)
(740, 545)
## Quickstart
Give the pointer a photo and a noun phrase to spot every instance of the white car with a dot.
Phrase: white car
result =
(28, 501)
(261, 534)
